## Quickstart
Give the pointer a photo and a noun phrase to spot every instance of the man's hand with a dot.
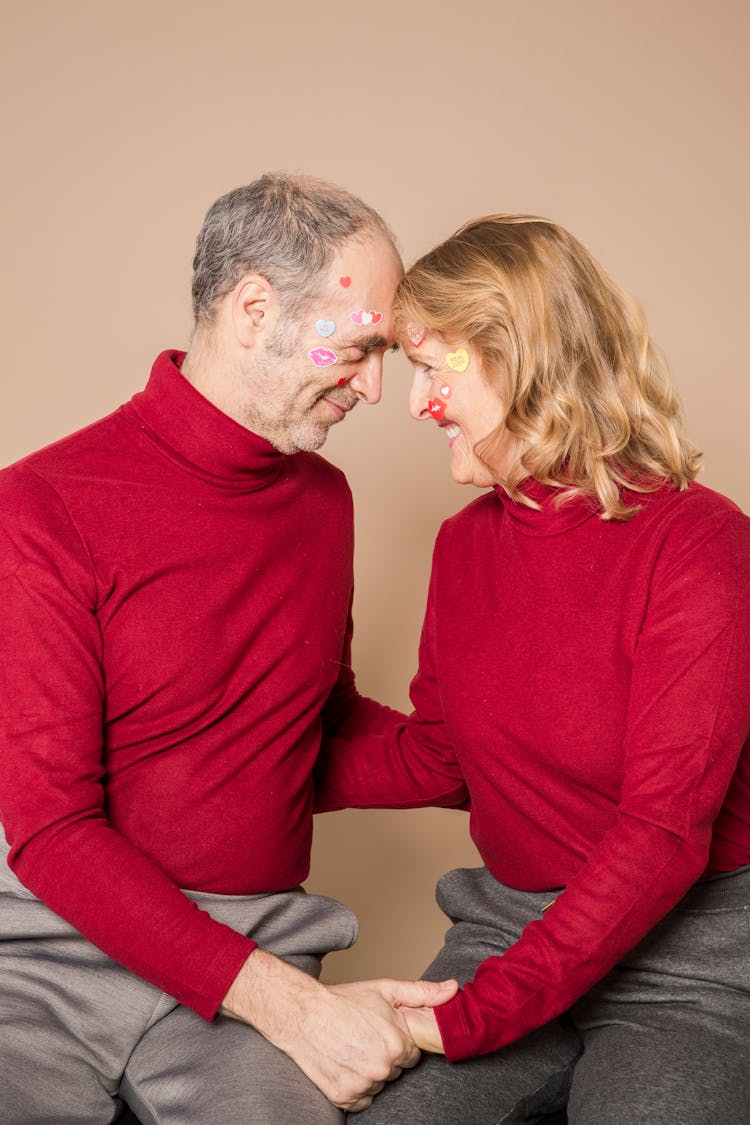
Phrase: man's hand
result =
(424, 1030)
(349, 1039)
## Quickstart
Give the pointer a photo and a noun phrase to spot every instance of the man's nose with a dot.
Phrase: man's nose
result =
(368, 380)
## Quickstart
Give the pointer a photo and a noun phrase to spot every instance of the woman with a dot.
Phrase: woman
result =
(584, 679)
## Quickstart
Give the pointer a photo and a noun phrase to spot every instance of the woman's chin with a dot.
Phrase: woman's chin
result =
(476, 475)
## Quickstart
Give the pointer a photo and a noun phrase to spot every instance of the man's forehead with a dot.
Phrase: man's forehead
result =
(365, 264)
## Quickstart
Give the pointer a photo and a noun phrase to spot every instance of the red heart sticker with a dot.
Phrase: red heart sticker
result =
(345, 282)
(376, 316)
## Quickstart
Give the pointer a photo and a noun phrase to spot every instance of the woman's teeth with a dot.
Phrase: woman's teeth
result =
(452, 432)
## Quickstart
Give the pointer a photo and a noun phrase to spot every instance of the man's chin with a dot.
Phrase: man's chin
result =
(307, 439)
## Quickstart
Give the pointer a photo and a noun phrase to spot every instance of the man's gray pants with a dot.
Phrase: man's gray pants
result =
(664, 1039)
(78, 1033)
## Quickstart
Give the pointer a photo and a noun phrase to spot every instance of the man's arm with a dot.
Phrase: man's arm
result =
(349, 1039)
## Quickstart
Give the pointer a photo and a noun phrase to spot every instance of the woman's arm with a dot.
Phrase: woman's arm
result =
(412, 764)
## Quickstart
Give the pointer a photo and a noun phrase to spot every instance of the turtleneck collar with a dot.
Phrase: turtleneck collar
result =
(197, 435)
(552, 517)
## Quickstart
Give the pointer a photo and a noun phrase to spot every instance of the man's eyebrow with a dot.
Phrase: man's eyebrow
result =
(369, 343)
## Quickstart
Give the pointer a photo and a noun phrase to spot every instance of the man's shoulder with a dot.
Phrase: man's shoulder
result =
(67, 454)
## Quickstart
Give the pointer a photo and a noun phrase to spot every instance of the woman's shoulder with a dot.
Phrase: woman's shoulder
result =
(687, 507)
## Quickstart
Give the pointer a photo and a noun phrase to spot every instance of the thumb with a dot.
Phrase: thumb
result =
(419, 993)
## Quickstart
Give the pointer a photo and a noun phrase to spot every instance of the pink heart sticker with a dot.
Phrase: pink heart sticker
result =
(345, 282)
(362, 317)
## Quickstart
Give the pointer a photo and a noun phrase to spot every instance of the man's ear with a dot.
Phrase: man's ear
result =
(255, 309)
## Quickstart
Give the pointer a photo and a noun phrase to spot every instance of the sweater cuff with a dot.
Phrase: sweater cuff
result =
(220, 976)
(453, 1029)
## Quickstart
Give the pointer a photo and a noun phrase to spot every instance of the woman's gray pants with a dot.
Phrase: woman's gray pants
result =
(664, 1039)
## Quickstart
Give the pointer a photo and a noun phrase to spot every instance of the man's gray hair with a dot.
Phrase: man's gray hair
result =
(285, 228)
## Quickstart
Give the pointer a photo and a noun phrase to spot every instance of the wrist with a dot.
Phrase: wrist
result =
(268, 994)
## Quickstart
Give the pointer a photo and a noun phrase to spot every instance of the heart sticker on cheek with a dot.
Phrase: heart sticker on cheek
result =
(445, 390)
(416, 333)
(458, 360)
(325, 328)
(322, 357)
(345, 282)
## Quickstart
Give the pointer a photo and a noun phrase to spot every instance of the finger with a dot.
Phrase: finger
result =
(357, 1105)
(410, 1057)
(419, 993)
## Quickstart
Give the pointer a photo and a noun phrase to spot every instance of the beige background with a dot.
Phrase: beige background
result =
(627, 122)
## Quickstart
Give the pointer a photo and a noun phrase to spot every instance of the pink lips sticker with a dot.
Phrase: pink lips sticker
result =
(362, 317)
(322, 357)
(436, 408)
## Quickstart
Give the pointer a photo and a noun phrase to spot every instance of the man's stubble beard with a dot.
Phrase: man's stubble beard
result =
(285, 427)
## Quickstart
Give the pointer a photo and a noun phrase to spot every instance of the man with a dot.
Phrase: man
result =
(176, 588)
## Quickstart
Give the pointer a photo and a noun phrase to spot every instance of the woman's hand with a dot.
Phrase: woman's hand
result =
(423, 1028)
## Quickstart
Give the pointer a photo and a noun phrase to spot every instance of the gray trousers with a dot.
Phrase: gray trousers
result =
(664, 1039)
(78, 1033)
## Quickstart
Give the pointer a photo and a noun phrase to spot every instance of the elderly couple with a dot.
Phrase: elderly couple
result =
(177, 698)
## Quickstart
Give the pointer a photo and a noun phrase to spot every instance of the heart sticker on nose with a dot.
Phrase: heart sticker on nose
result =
(322, 357)
(325, 327)
(458, 360)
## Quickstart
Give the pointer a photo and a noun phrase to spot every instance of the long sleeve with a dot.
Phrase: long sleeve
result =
(410, 764)
(52, 774)
(346, 713)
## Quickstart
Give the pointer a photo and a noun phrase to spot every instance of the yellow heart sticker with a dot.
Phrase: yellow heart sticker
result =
(458, 360)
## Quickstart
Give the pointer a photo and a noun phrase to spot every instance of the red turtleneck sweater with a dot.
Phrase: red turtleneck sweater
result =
(174, 636)
(587, 682)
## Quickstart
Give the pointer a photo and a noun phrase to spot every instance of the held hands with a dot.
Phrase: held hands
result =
(423, 1028)
(349, 1039)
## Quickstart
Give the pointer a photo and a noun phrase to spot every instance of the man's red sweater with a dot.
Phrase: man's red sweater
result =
(587, 683)
(174, 636)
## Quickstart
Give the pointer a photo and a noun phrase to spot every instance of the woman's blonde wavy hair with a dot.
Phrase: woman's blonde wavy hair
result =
(587, 394)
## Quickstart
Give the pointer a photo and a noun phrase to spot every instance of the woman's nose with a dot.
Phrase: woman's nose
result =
(419, 397)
